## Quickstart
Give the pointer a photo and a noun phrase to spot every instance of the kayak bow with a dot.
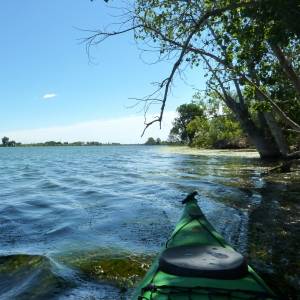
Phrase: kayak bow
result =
(197, 263)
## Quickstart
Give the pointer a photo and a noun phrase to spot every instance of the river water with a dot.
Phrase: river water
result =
(85, 222)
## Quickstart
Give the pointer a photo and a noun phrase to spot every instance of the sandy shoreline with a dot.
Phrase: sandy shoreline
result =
(248, 153)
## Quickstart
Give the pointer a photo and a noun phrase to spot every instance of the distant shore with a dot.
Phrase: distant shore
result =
(81, 144)
(179, 147)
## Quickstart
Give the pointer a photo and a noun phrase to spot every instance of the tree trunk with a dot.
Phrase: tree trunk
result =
(265, 145)
(277, 134)
(263, 142)
(273, 128)
(268, 122)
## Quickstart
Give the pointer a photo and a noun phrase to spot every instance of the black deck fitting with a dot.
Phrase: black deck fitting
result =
(189, 197)
(150, 287)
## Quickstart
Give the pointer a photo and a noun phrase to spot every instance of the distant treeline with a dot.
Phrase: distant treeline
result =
(9, 143)
(79, 143)
(151, 141)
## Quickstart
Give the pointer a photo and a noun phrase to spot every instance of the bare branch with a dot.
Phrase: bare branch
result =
(225, 97)
(100, 36)
(167, 82)
(196, 25)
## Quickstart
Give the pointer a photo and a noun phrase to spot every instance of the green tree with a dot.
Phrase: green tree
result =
(150, 141)
(251, 41)
(217, 128)
(199, 129)
(5, 141)
(224, 132)
(186, 113)
(11, 144)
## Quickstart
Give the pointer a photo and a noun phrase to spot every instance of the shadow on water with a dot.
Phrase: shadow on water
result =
(274, 234)
(266, 209)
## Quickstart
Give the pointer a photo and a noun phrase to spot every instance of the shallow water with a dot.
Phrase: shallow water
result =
(85, 222)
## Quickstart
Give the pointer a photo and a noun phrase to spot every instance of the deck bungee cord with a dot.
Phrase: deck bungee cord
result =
(189, 292)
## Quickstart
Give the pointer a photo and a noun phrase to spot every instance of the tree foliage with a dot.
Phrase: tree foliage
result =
(250, 51)
(150, 141)
(186, 113)
(211, 127)
(5, 141)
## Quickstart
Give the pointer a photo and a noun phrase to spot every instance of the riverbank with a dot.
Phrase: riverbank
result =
(246, 153)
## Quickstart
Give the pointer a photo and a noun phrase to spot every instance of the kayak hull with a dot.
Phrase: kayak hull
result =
(194, 229)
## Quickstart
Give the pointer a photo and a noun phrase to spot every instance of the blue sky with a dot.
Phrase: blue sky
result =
(47, 81)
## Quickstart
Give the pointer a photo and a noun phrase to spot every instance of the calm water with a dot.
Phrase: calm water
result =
(83, 222)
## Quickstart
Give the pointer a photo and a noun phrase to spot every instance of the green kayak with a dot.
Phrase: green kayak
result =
(197, 263)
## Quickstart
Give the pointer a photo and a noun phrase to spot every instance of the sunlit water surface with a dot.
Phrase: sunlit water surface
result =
(85, 222)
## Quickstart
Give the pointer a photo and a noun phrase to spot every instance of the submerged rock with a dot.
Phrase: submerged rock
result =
(28, 277)
(120, 269)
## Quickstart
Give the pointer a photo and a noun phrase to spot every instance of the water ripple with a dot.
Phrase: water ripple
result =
(63, 206)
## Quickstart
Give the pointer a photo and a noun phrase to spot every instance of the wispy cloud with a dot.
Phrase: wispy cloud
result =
(49, 96)
(122, 130)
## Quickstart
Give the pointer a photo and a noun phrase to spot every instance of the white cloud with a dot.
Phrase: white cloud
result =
(123, 130)
(49, 96)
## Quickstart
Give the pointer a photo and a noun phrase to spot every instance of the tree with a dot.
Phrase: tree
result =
(150, 141)
(198, 128)
(213, 126)
(11, 144)
(242, 44)
(186, 113)
(224, 132)
(247, 39)
(5, 141)
(53, 143)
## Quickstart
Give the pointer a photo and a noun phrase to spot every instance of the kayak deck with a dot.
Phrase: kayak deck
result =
(194, 229)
